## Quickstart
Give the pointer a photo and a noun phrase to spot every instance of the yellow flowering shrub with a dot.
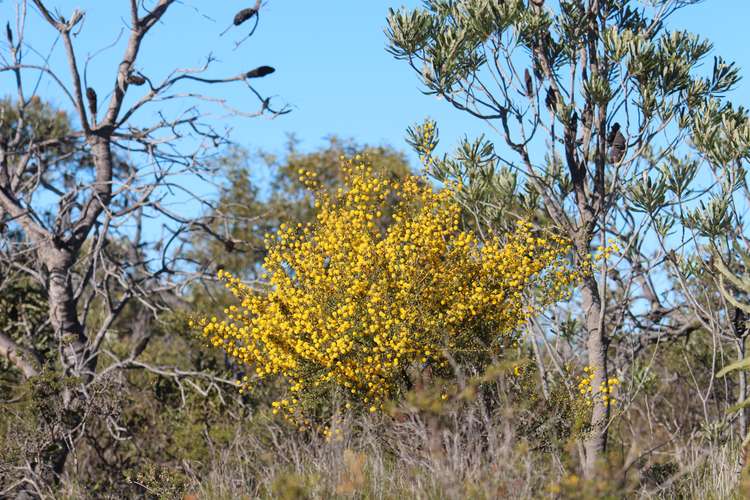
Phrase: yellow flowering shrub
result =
(384, 279)
(605, 391)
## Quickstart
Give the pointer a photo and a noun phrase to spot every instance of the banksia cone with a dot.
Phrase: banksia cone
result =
(612, 133)
(244, 15)
(571, 130)
(551, 99)
(91, 96)
(136, 79)
(529, 83)
(259, 72)
(618, 147)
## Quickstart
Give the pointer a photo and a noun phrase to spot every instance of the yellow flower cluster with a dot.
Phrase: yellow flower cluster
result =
(331, 434)
(605, 252)
(356, 297)
(606, 387)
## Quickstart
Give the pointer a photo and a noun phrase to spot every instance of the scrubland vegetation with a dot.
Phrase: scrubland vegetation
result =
(558, 309)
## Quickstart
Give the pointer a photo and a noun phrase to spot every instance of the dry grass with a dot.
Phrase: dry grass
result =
(464, 454)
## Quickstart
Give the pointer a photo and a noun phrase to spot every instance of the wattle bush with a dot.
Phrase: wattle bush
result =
(356, 298)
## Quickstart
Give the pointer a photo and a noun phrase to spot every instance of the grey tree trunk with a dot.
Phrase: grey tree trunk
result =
(742, 389)
(596, 440)
(63, 311)
(59, 257)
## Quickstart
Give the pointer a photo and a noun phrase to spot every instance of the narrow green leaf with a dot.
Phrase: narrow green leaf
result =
(737, 365)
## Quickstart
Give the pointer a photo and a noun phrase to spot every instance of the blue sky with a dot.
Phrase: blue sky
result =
(332, 67)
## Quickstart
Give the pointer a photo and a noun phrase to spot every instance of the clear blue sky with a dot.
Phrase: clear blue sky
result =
(332, 67)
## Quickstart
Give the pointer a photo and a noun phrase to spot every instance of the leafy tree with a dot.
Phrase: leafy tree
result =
(718, 232)
(245, 213)
(587, 98)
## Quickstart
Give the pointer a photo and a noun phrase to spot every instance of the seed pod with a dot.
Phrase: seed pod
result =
(136, 79)
(551, 99)
(617, 150)
(259, 72)
(571, 130)
(244, 15)
(612, 133)
(91, 96)
(9, 33)
(529, 83)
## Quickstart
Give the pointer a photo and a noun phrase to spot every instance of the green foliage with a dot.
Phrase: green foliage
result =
(158, 482)
(736, 292)
(492, 195)
(23, 316)
(738, 282)
(34, 425)
(245, 213)
(450, 43)
(40, 121)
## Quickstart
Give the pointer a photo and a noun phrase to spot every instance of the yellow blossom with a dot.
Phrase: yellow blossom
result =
(355, 297)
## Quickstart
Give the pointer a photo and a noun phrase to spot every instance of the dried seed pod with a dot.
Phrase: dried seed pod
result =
(551, 99)
(612, 133)
(617, 150)
(259, 72)
(91, 96)
(529, 83)
(9, 33)
(136, 79)
(244, 15)
(571, 130)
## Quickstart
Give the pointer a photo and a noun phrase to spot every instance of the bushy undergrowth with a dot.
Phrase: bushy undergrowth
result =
(495, 437)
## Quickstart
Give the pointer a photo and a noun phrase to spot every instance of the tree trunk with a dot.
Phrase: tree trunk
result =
(596, 440)
(75, 359)
(59, 257)
(742, 389)
(63, 314)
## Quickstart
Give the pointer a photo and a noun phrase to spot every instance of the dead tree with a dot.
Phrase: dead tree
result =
(80, 191)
